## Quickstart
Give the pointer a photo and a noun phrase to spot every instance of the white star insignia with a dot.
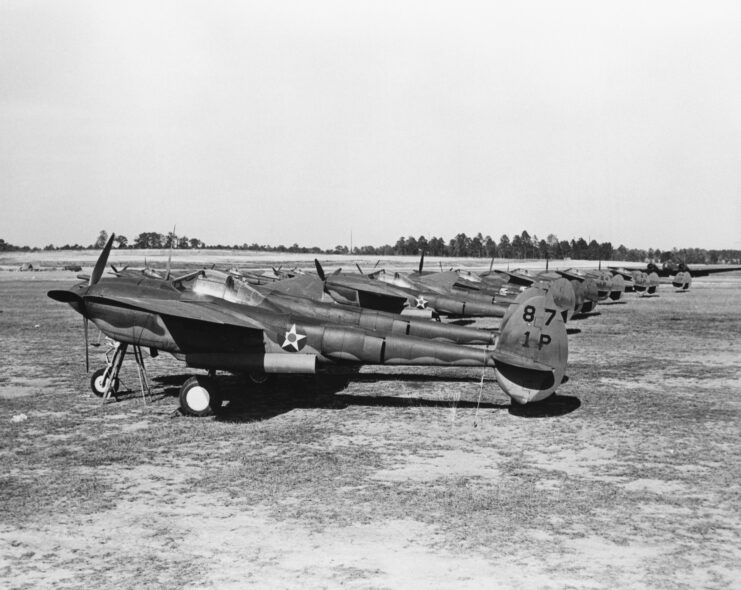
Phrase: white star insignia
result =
(293, 340)
(421, 302)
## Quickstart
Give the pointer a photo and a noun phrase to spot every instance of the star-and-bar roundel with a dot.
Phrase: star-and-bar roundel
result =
(294, 341)
(421, 302)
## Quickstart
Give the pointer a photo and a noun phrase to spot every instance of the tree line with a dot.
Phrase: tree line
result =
(520, 246)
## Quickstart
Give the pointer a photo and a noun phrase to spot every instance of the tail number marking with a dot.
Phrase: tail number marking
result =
(529, 314)
(544, 340)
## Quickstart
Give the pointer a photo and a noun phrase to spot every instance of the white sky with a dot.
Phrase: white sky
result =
(282, 122)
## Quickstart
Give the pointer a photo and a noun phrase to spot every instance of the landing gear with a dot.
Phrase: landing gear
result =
(99, 382)
(199, 396)
(105, 381)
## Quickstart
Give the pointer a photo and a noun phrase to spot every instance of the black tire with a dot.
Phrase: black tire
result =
(199, 396)
(98, 385)
(260, 378)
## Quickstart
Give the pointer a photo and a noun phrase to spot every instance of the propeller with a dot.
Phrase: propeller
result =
(319, 269)
(375, 266)
(102, 261)
(421, 261)
(94, 278)
(87, 352)
(169, 256)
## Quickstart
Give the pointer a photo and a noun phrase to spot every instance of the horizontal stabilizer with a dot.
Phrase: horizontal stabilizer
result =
(504, 356)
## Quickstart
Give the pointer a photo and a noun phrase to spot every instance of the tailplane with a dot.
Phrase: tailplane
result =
(532, 350)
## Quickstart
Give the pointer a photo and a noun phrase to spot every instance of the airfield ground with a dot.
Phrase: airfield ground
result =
(386, 479)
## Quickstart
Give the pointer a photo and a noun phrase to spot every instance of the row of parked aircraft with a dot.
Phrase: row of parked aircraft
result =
(296, 322)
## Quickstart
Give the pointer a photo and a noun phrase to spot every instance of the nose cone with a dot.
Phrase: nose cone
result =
(72, 296)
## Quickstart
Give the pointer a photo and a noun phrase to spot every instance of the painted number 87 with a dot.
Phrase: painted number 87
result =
(529, 314)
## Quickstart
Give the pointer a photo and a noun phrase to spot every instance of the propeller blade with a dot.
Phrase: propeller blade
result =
(169, 256)
(87, 354)
(102, 261)
(491, 264)
(421, 261)
(319, 270)
(377, 263)
(360, 270)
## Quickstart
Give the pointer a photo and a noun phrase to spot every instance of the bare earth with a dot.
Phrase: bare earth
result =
(391, 478)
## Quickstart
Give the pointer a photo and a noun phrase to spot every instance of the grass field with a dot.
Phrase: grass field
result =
(391, 478)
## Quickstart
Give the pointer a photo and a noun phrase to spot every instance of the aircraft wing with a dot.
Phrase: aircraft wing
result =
(696, 270)
(306, 286)
(703, 271)
(517, 278)
(198, 310)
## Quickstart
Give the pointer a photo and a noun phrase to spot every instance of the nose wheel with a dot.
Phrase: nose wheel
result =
(99, 382)
(105, 382)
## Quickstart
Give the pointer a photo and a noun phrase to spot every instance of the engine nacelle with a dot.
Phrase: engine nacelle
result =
(269, 362)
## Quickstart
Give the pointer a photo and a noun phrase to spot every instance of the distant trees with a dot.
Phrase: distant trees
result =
(5, 247)
(150, 239)
(102, 239)
(520, 246)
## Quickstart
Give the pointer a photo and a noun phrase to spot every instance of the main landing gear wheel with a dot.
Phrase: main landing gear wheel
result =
(199, 396)
(99, 380)
(260, 378)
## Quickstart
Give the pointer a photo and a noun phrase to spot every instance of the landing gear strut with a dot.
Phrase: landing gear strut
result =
(105, 381)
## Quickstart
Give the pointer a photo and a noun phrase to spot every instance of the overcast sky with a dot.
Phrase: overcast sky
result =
(281, 122)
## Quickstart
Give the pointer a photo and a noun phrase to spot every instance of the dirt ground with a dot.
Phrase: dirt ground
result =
(391, 478)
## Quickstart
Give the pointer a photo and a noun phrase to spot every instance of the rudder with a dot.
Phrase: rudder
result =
(532, 351)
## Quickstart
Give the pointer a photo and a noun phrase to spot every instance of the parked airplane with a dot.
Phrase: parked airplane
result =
(680, 272)
(671, 268)
(529, 358)
(374, 290)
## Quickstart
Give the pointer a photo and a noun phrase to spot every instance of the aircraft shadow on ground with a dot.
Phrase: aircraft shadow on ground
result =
(251, 403)
(555, 405)
(584, 316)
(621, 302)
